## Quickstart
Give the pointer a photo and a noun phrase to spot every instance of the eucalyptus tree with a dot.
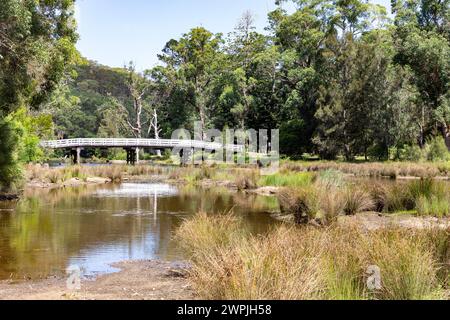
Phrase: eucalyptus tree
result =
(195, 61)
(422, 38)
(237, 86)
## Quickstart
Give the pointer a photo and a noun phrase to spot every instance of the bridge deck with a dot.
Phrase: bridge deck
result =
(137, 143)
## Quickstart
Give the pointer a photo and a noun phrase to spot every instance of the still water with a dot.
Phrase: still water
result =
(92, 227)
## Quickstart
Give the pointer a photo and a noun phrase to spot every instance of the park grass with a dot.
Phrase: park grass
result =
(312, 263)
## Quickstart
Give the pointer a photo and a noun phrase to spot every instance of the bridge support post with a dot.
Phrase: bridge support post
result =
(136, 159)
(76, 155)
(132, 156)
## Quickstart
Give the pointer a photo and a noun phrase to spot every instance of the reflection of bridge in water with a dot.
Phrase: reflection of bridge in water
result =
(132, 146)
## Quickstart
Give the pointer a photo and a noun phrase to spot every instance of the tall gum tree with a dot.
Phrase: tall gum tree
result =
(194, 60)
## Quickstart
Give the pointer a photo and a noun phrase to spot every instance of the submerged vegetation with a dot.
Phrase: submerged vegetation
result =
(313, 263)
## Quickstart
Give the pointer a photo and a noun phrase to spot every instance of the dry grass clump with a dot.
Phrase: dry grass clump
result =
(373, 169)
(34, 172)
(54, 176)
(246, 179)
(204, 231)
(302, 203)
(313, 263)
(324, 200)
(143, 170)
(357, 200)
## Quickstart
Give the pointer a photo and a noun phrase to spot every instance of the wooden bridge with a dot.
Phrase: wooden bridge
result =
(132, 146)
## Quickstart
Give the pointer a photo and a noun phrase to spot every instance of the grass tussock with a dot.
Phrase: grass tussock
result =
(286, 180)
(323, 200)
(313, 263)
(425, 196)
(113, 172)
(328, 197)
(374, 169)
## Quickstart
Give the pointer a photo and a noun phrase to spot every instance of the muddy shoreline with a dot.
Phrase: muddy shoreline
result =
(137, 280)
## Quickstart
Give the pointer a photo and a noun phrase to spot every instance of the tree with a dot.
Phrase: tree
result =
(422, 38)
(300, 39)
(238, 82)
(194, 61)
(350, 95)
(36, 44)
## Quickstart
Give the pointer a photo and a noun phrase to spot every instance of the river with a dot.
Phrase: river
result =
(91, 227)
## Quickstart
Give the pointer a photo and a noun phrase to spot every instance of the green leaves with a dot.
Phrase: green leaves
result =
(36, 43)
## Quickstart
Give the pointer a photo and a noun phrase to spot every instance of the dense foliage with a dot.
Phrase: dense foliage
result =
(36, 44)
(339, 78)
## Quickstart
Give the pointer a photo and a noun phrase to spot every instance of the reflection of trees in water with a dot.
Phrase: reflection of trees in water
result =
(49, 228)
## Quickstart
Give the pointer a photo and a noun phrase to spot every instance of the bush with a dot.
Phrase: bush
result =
(437, 149)
(411, 153)
(10, 172)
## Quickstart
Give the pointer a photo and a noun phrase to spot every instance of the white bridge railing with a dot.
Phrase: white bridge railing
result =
(138, 143)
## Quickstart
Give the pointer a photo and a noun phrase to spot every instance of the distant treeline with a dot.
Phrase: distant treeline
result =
(338, 78)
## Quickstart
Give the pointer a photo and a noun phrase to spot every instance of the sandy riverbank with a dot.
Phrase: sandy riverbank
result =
(137, 280)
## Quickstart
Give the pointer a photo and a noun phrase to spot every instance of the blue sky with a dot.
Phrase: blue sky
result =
(113, 32)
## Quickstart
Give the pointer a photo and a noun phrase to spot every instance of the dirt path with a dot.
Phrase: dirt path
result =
(138, 280)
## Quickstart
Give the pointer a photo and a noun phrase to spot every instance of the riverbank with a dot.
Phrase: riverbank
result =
(137, 280)
(309, 263)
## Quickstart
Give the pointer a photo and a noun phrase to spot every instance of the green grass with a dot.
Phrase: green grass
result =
(287, 180)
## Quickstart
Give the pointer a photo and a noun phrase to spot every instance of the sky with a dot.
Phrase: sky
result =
(114, 32)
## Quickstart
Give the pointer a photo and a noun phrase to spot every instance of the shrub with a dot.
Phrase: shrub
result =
(437, 149)
(412, 153)
(10, 171)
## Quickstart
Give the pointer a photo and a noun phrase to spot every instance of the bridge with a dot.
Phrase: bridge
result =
(132, 146)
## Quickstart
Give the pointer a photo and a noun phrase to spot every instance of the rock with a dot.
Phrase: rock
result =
(8, 197)
(266, 191)
(98, 180)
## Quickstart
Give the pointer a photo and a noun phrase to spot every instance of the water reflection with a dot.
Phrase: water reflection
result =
(95, 226)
